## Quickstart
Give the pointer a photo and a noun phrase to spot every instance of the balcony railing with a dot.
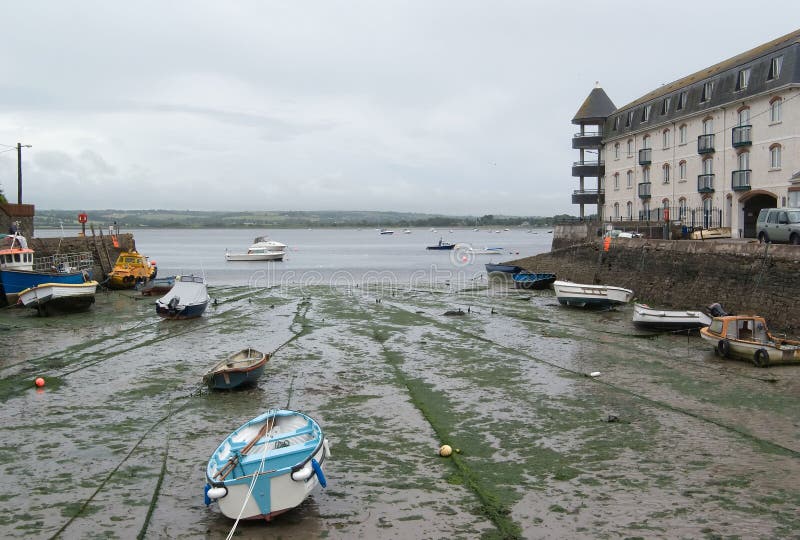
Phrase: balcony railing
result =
(645, 156)
(587, 140)
(644, 190)
(740, 180)
(589, 168)
(705, 183)
(741, 136)
(705, 144)
(588, 196)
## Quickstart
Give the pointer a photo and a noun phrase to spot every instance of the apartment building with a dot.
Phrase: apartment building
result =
(711, 149)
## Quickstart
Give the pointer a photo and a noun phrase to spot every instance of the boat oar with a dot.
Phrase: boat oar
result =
(234, 460)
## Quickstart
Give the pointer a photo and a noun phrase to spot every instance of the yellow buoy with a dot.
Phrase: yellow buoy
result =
(445, 450)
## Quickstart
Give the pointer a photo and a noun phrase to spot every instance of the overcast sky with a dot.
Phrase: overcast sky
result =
(456, 107)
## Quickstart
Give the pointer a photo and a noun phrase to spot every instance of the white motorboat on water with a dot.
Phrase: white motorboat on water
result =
(584, 295)
(267, 466)
(262, 249)
(649, 318)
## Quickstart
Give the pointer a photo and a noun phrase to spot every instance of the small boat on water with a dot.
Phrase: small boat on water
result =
(239, 369)
(131, 268)
(267, 466)
(486, 251)
(584, 295)
(661, 320)
(533, 280)
(158, 286)
(19, 270)
(442, 245)
(748, 338)
(503, 268)
(262, 249)
(386, 231)
(187, 299)
(50, 298)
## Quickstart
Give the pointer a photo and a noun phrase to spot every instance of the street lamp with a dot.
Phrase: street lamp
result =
(19, 170)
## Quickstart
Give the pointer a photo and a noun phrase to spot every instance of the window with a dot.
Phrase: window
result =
(629, 175)
(629, 119)
(683, 133)
(665, 175)
(616, 180)
(646, 141)
(616, 210)
(630, 147)
(708, 166)
(646, 112)
(665, 105)
(743, 116)
(743, 79)
(775, 110)
(616, 123)
(744, 161)
(646, 174)
(681, 101)
(681, 208)
(665, 138)
(775, 68)
(682, 170)
(616, 151)
(708, 126)
(630, 210)
(708, 88)
(775, 156)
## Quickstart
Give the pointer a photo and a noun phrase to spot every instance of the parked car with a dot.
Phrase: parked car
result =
(779, 225)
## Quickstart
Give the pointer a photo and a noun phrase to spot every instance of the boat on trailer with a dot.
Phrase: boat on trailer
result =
(662, 320)
(239, 369)
(747, 337)
(267, 466)
(585, 295)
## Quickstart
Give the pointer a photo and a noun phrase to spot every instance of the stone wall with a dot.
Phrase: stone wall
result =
(102, 249)
(21, 213)
(686, 274)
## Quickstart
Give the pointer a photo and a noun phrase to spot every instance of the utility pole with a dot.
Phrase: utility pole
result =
(19, 170)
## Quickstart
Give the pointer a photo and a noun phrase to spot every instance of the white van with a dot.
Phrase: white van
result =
(779, 225)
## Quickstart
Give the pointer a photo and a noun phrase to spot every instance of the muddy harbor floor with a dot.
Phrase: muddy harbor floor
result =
(116, 444)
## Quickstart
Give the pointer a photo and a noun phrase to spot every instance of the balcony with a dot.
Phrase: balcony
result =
(645, 156)
(644, 190)
(587, 140)
(741, 136)
(705, 144)
(705, 183)
(740, 180)
(588, 196)
(589, 168)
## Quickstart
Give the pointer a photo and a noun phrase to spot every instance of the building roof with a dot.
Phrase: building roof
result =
(597, 106)
(752, 54)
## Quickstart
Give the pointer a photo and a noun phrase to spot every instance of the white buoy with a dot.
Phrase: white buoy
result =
(594, 374)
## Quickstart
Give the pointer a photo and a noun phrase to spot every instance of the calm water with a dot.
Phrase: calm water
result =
(334, 255)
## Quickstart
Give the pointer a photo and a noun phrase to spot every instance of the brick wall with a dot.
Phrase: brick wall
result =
(684, 274)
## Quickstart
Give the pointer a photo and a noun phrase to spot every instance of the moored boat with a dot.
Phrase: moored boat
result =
(747, 337)
(262, 249)
(239, 369)
(157, 286)
(442, 245)
(130, 269)
(533, 280)
(584, 295)
(49, 298)
(503, 268)
(267, 466)
(386, 231)
(187, 299)
(649, 318)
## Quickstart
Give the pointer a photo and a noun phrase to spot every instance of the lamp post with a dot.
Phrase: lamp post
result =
(19, 170)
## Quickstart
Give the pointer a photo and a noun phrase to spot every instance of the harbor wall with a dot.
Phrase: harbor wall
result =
(745, 277)
(102, 248)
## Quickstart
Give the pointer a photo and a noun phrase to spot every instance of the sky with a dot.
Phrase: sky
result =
(452, 107)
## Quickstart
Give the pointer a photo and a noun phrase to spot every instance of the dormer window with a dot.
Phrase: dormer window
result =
(629, 119)
(743, 79)
(616, 123)
(681, 101)
(707, 89)
(646, 112)
(775, 68)
(665, 105)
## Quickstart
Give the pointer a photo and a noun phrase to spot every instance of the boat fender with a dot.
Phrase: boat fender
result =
(206, 498)
(327, 446)
(724, 348)
(320, 474)
(761, 358)
(303, 474)
(213, 494)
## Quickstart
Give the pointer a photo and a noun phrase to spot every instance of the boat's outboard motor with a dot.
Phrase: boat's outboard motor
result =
(716, 310)
(173, 304)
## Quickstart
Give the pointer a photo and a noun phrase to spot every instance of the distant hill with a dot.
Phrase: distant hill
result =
(278, 219)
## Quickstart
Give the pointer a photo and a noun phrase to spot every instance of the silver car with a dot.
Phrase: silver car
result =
(779, 225)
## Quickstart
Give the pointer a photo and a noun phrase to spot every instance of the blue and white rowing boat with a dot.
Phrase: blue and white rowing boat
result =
(267, 466)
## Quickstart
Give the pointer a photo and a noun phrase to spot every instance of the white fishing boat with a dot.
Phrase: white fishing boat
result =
(649, 318)
(48, 298)
(584, 295)
(262, 249)
(267, 466)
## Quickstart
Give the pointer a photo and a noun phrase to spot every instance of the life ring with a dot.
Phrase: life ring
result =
(724, 348)
(761, 358)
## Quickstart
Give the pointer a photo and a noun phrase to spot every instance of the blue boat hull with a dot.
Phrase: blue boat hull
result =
(525, 280)
(189, 312)
(15, 281)
(598, 303)
(234, 379)
(504, 268)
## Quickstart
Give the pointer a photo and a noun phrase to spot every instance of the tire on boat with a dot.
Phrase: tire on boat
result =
(724, 348)
(761, 358)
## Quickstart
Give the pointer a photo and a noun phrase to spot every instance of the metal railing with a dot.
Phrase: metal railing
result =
(644, 190)
(705, 183)
(705, 144)
(645, 156)
(693, 218)
(740, 180)
(66, 262)
(741, 136)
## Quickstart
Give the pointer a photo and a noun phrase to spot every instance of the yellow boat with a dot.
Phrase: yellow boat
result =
(131, 268)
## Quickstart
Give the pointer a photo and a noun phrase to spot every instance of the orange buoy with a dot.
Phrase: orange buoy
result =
(39, 382)
(607, 243)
